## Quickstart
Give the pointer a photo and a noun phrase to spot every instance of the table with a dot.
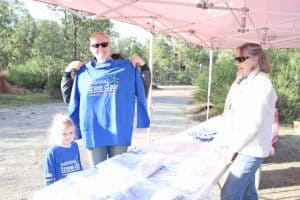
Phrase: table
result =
(179, 167)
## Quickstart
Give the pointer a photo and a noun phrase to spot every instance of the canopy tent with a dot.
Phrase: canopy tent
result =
(213, 24)
(208, 23)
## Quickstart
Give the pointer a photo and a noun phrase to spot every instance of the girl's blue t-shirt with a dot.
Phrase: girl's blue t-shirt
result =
(61, 161)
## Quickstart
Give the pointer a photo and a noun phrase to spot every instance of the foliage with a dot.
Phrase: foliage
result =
(7, 20)
(76, 32)
(223, 74)
(176, 61)
(48, 44)
(53, 85)
(10, 13)
(128, 47)
(162, 59)
(29, 75)
(286, 79)
(22, 40)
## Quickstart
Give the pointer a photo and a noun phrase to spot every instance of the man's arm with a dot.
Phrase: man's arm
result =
(145, 72)
(146, 75)
(67, 80)
(66, 86)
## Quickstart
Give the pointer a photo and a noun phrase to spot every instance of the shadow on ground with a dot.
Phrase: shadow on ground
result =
(280, 178)
(286, 159)
(287, 149)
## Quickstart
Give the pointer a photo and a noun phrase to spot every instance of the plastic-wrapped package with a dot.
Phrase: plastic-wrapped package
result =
(188, 172)
(181, 143)
(153, 191)
(151, 163)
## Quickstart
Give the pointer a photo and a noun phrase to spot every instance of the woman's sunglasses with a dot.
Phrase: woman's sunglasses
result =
(241, 59)
(102, 44)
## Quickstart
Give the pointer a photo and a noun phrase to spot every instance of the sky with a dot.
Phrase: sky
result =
(39, 10)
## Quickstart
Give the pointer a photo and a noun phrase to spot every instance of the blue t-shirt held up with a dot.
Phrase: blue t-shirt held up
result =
(102, 103)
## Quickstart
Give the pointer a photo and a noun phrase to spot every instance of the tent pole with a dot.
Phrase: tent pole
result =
(209, 82)
(150, 89)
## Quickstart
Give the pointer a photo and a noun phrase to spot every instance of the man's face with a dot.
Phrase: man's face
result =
(100, 47)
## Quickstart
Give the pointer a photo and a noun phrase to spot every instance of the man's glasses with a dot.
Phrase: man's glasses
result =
(241, 59)
(102, 44)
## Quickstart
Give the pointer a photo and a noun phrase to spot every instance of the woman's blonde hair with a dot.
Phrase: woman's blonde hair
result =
(254, 49)
(59, 123)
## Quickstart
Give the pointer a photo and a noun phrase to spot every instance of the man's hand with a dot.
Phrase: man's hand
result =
(137, 60)
(74, 66)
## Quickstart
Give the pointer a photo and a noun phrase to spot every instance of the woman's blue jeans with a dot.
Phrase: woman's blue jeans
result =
(240, 183)
(99, 154)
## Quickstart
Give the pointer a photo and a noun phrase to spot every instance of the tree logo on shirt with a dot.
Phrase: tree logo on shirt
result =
(114, 80)
(109, 85)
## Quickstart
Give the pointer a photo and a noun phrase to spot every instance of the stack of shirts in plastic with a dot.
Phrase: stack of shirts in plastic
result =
(139, 175)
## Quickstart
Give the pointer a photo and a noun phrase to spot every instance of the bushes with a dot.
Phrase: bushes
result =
(223, 74)
(53, 85)
(285, 76)
(35, 75)
(286, 80)
(29, 75)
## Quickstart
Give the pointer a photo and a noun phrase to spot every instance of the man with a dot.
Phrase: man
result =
(102, 102)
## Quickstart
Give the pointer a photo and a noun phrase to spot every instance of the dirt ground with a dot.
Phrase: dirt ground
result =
(23, 142)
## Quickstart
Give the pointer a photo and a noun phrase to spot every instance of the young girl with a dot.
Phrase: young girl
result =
(63, 156)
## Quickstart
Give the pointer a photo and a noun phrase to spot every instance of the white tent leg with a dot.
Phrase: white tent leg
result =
(150, 89)
(209, 82)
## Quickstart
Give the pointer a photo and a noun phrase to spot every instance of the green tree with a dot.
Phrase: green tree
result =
(163, 57)
(176, 61)
(286, 79)
(129, 46)
(10, 12)
(22, 40)
(189, 60)
(223, 74)
(77, 29)
(49, 43)
(44, 57)
(7, 20)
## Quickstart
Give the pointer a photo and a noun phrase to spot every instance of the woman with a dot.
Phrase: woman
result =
(248, 113)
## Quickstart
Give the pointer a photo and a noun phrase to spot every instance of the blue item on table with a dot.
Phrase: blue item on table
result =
(204, 135)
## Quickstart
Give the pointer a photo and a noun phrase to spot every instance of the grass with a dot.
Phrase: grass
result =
(16, 100)
(287, 129)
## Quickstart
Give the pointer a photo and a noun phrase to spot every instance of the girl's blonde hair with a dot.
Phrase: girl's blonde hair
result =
(59, 123)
